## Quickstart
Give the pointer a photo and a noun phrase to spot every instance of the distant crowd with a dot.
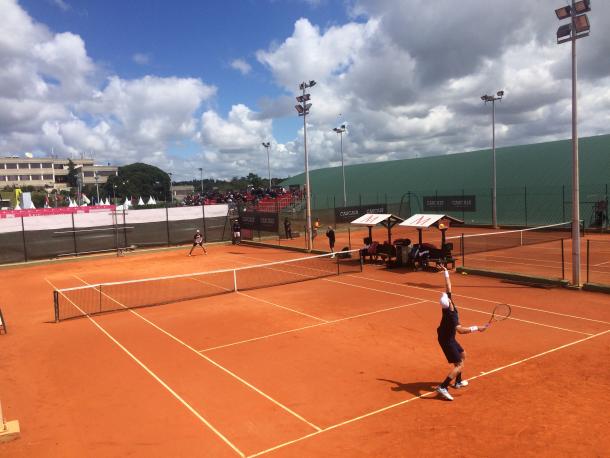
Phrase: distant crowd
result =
(253, 196)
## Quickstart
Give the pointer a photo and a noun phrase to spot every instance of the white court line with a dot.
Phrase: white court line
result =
(153, 375)
(261, 300)
(485, 300)
(211, 361)
(601, 264)
(426, 394)
(313, 326)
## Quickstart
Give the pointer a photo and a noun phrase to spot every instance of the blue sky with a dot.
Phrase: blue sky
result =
(183, 84)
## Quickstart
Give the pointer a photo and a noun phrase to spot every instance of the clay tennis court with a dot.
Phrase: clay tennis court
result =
(338, 366)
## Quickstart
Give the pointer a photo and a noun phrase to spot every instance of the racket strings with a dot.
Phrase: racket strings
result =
(501, 312)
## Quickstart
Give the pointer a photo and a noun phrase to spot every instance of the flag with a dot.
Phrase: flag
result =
(46, 201)
(85, 199)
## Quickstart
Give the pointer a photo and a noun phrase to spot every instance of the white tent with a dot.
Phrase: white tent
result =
(31, 206)
(151, 201)
(17, 207)
(140, 202)
(127, 203)
(106, 202)
(72, 203)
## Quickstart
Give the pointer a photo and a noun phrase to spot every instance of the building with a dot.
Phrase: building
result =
(179, 192)
(50, 172)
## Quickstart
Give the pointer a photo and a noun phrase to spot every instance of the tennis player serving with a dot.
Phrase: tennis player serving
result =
(450, 324)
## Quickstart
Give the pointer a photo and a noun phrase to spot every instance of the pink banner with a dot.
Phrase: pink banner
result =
(54, 211)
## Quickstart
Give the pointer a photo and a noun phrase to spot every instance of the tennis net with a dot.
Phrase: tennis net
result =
(479, 243)
(107, 297)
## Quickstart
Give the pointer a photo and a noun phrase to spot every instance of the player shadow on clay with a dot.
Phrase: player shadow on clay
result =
(415, 388)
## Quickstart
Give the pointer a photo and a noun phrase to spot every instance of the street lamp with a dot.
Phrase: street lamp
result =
(340, 130)
(577, 28)
(303, 110)
(267, 145)
(171, 189)
(97, 187)
(492, 98)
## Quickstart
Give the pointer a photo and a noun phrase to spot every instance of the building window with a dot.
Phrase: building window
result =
(47, 177)
(24, 165)
(11, 165)
(13, 178)
(58, 166)
(34, 165)
(35, 177)
(88, 174)
(47, 165)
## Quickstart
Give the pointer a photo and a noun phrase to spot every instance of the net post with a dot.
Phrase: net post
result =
(563, 267)
(25, 246)
(74, 235)
(462, 249)
(338, 267)
(100, 289)
(2, 330)
(588, 260)
(235, 280)
(56, 305)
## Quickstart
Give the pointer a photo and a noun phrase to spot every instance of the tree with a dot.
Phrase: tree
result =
(138, 180)
(72, 177)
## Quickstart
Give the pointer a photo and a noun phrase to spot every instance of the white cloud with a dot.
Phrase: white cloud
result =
(242, 66)
(141, 58)
(61, 4)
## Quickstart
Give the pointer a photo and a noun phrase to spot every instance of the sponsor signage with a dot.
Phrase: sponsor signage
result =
(259, 221)
(349, 214)
(54, 211)
(450, 203)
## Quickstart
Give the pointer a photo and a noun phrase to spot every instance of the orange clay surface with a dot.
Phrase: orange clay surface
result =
(343, 366)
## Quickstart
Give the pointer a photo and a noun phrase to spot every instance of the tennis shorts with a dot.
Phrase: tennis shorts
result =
(452, 350)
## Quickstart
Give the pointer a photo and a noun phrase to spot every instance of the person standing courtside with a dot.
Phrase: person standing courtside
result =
(450, 324)
(330, 233)
(198, 241)
(236, 232)
(288, 228)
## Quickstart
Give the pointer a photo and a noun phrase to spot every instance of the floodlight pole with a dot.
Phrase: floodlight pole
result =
(578, 28)
(97, 187)
(494, 209)
(267, 145)
(340, 131)
(201, 170)
(303, 110)
(575, 165)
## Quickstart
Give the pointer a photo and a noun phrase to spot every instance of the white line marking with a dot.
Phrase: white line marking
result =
(153, 375)
(283, 307)
(312, 326)
(483, 300)
(211, 361)
(426, 394)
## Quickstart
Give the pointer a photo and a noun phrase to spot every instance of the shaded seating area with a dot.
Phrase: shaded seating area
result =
(423, 255)
(372, 249)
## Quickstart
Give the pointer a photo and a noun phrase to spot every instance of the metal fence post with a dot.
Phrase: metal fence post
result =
(587, 260)
(167, 224)
(525, 203)
(74, 235)
(25, 247)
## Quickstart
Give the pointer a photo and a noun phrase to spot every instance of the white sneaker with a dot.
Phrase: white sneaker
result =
(444, 393)
(462, 384)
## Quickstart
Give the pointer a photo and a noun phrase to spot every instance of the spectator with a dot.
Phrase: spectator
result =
(288, 228)
(330, 233)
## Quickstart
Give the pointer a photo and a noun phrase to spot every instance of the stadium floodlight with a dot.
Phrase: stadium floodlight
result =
(341, 130)
(201, 170)
(577, 28)
(267, 145)
(303, 110)
(491, 98)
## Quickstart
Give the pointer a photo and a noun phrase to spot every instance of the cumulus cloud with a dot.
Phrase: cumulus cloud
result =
(241, 65)
(407, 79)
(141, 58)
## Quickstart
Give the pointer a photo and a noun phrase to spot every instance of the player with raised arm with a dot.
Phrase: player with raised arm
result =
(198, 241)
(450, 324)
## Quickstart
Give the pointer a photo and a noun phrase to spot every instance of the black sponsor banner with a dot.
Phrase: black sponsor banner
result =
(450, 203)
(349, 214)
(259, 221)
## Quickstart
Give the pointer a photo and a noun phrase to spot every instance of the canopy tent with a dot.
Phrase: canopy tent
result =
(372, 219)
(423, 221)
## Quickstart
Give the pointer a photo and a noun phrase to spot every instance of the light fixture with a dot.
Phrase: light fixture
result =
(581, 23)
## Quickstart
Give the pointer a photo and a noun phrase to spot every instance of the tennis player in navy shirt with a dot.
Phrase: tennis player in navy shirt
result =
(449, 326)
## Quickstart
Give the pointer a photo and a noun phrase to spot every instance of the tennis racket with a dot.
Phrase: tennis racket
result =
(500, 313)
